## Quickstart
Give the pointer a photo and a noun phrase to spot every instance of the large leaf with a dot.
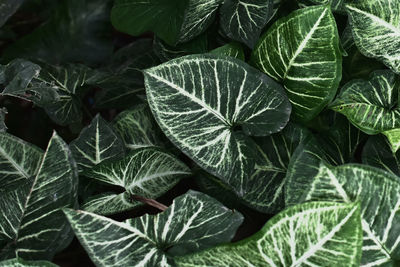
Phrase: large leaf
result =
(138, 128)
(205, 105)
(96, 143)
(376, 30)
(243, 20)
(372, 105)
(18, 262)
(377, 190)
(302, 52)
(193, 221)
(32, 225)
(19, 161)
(78, 31)
(57, 89)
(311, 234)
(232, 49)
(378, 153)
(171, 20)
(8, 8)
(145, 172)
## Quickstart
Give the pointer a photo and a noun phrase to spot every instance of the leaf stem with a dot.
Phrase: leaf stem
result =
(150, 202)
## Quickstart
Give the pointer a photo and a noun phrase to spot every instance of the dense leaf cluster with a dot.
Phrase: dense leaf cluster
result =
(167, 132)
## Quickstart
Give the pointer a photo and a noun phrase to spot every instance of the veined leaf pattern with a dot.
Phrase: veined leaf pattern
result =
(302, 51)
(19, 161)
(146, 172)
(96, 143)
(194, 221)
(243, 20)
(372, 105)
(31, 223)
(200, 100)
(376, 30)
(330, 235)
(18, 262)
(232, 49)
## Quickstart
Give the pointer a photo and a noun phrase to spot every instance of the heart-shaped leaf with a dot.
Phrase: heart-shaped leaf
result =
(96, 143)
(193, 221)
(243, 20)
(376, 30)
(19, 161)
(182, 20)
(302, 51)
(31, 223)
(145, 172)
(202, 101)
(330, 235)
(372, 105)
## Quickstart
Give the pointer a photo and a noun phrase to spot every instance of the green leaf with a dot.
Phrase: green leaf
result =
(336, 5)
(138, 128)
(378, 153)
(372, 105)
(174, 21)
(18, 262)
(56, 89)
(376, 29)
(144, 172)
(96, 143)
(310, 234)
(8, 8)
(200, 101)
(77, 31)
(232, 50)
(31, 223)
(19, 161)
(302, 52)
(243, 20)
(194, 221)
(378, 192)
(3, 113)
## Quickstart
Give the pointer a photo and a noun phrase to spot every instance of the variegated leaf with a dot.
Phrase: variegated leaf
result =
(376, 29)
(32, 225)
(96, 143)
(302, 52)
(3, 113)
(205, 104)
(377, 190)
(146, 172)
(181, 20)
(194, 221)
(232, 50)
(310, 234)
(138, 128)
(243, 20)
(372, 105)
(18, 262)
(378, 153)
(19, 161)
(336, 5)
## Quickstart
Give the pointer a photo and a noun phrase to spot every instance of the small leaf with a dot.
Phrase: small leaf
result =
(194, 221)
(181, 20)
(243, 20)
(302, 51)
(372, 105)
(145, 172)
(202, 101)
(376, 29)
(19, 161)
(18, 262)
(31, 222)
(310, 234)
(232, 50)
(96, 143)
(138, 128)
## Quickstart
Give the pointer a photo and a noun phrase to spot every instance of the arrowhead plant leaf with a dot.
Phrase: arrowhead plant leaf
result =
(145, 172)
(301, 51)
(193, 221)
(31, 222)
(201, 102)
(330, 233)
